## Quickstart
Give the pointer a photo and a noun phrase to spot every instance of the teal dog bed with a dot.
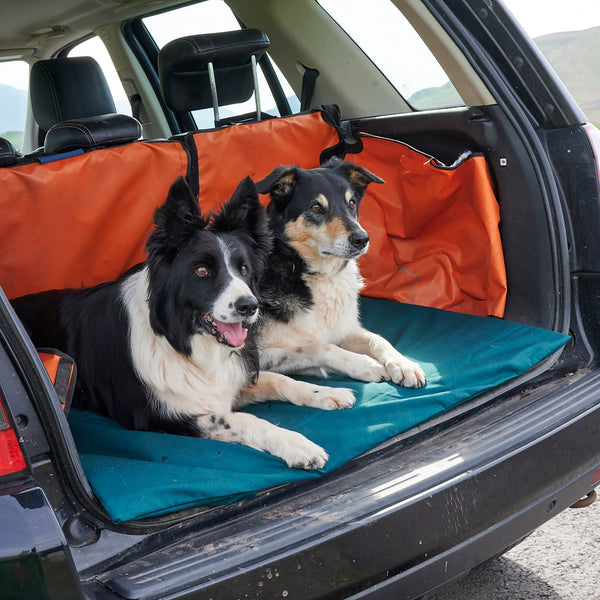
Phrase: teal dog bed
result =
(137, 474)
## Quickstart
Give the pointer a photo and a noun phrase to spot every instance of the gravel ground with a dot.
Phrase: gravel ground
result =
(559, 561)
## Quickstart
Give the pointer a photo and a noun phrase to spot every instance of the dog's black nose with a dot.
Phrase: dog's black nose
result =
(246, 305)
(359, 239)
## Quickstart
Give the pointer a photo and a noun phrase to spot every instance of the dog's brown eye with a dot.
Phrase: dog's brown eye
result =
(243, 269)
(352, 203)
(202, 271)
(316, 207)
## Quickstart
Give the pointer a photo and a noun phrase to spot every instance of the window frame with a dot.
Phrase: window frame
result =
(385, 73)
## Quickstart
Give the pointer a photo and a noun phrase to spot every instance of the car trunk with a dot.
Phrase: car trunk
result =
(443, 241)
(199, 539)
(234, 546)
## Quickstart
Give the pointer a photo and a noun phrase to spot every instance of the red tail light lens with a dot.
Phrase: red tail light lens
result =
(11, 456)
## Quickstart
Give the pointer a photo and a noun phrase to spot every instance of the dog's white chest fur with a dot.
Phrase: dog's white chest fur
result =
(207, 382)
(334, 311)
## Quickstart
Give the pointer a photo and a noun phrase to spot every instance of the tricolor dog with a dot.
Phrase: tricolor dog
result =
(311, 286)
(171, 345)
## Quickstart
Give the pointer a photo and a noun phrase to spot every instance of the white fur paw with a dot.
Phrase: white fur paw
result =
(330, 398)
(367, 369)
(300, 453)
(406, 373)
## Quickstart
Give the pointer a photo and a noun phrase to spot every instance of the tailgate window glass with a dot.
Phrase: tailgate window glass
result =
(14, 86)
(389, 40)
(214, 16)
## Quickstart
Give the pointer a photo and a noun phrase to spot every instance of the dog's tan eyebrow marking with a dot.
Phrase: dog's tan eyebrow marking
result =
(322, 200)
(349, 195)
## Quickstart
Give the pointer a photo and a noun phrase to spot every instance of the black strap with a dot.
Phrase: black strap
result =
(136, 106)
(350, 142)
(66, 377)
(309, 80)
(193, 170)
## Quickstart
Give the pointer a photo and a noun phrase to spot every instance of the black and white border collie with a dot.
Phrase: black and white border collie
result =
(311, 286)
(171, 345)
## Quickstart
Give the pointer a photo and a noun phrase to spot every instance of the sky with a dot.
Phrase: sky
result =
(539, 17)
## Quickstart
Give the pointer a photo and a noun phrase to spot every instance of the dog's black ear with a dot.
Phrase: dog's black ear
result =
(358, 177)
(234, 214)
(245, 213)
(176, 220)
(280, 184)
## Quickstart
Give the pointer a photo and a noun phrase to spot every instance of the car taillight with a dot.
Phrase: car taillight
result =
(11, 456)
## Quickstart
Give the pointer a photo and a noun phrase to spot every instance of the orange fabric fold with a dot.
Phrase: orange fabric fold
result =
(434, 231)
(51, 362)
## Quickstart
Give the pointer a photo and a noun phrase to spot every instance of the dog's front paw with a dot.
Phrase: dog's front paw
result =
(300, 453)
(330, 398)
(365, 368)
(406, 373)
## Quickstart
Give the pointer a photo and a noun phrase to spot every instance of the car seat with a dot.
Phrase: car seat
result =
(212, 70)
(74, 108)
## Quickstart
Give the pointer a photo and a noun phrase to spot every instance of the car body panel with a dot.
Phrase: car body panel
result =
(35, 558)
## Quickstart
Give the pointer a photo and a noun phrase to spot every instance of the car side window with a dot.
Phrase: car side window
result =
(391, 43)
(95, 48)
(213, 16)
(14, 86)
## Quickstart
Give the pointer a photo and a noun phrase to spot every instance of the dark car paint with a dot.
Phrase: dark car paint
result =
(35, 561)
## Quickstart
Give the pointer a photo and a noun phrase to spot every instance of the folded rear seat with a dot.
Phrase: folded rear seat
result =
(84, 219)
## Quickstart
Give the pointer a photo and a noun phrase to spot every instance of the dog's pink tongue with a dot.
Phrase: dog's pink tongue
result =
(234, 333)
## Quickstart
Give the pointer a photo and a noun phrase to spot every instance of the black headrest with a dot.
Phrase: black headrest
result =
(68, 88)
(183, 68)
(90, 132)
(8, 154)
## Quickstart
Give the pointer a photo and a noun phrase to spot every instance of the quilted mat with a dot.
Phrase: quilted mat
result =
(139, 474)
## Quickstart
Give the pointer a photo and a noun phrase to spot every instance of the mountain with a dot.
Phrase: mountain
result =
(573, 55)
(575, 58)
(14, 106)
(435, 97)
